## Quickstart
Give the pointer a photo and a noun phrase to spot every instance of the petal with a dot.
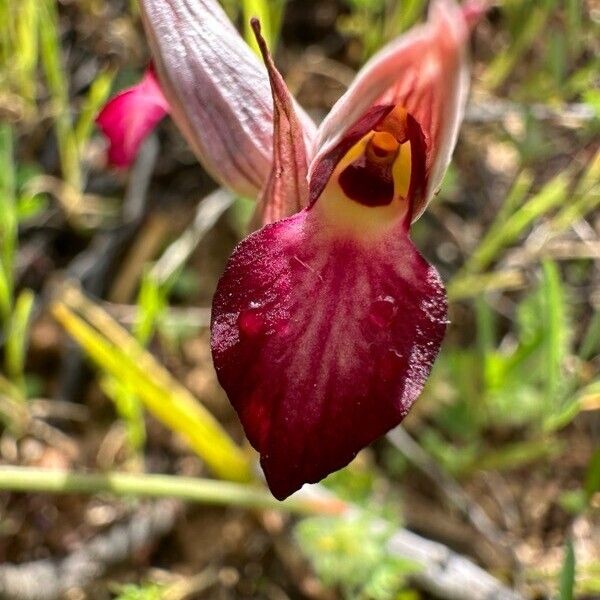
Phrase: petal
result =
(129, 117)
(218, 90)
(323, 341)
(286, 191)
(425, 71)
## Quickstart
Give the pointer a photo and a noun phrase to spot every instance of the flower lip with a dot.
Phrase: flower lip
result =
(315, 381)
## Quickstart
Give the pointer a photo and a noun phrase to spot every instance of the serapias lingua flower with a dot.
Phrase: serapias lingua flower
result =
(327, 320)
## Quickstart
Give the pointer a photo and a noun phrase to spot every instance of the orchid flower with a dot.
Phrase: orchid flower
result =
(327, 320)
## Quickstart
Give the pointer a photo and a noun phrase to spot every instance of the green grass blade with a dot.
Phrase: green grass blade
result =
(505, 62)
(56, 81)
(590, 345)
(472, 285)
(567, 574)
(270, 15)
(7, 36)
(486, 340)
(518, 454)
(407, 13)
(591, 485)
(152, 302)
(553, 194)
(515, 198)
(25, 55)
(95, 99)
(585, 198)
(129, 409)
(574, 9)
(556, 335)
(17, 339)
(8, 220)
(277, 12)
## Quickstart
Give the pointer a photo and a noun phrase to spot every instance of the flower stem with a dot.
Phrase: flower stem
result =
(191, 489)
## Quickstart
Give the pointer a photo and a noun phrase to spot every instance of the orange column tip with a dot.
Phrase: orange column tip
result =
(395, 123)
(382, 148)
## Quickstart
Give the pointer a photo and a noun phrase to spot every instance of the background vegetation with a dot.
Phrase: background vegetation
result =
(105, 288)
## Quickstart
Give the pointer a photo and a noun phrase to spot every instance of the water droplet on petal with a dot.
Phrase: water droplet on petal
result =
(250, 321)
(383, 311)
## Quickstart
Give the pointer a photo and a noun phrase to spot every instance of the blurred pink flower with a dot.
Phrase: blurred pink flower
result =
(130, 116)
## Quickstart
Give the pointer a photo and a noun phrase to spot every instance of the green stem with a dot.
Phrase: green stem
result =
(204, 491)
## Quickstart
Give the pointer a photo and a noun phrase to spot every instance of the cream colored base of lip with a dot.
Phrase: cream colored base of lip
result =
(341, 214)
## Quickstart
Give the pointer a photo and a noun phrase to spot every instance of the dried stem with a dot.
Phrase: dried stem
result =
(190, 489)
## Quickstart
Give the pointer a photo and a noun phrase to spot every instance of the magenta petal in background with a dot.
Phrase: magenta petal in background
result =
(129, 118)
(323, 342)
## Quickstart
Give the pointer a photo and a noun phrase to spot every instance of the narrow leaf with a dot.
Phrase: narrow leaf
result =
(567, 575)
